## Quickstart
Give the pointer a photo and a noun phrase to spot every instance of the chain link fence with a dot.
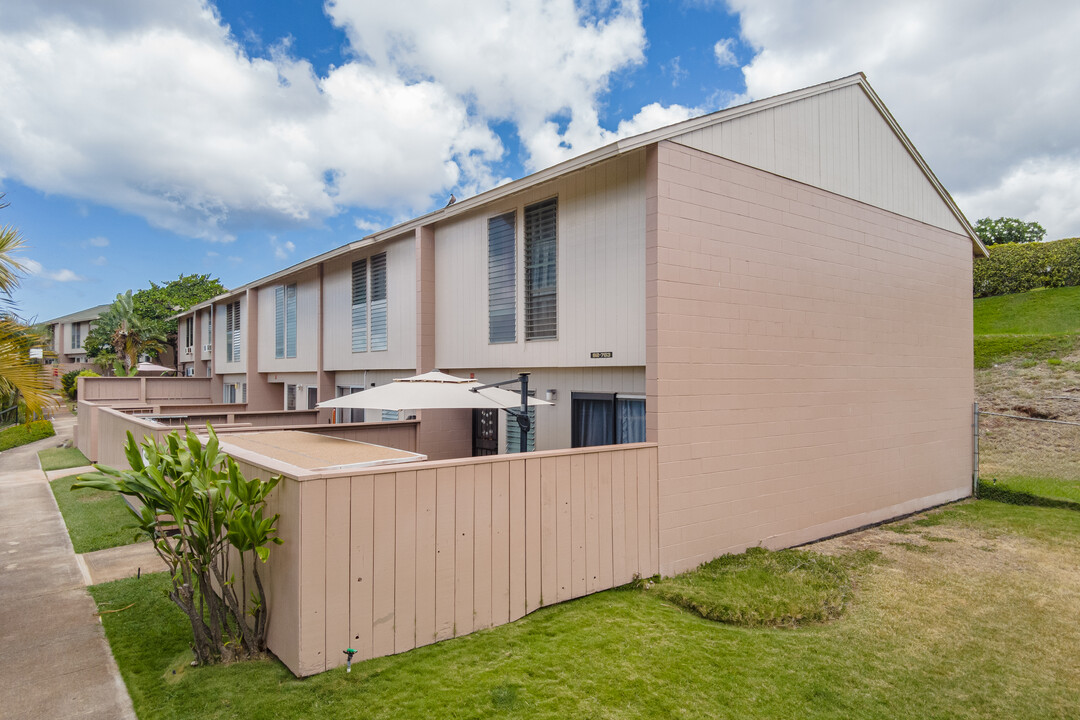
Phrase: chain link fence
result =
(1018, 444)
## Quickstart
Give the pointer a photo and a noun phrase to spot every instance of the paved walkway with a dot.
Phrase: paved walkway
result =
(55, 659)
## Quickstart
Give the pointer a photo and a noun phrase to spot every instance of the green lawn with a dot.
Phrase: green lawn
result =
(978, 623)
(1047, 311)
(95, 519)
(17, 435)
(62, 458)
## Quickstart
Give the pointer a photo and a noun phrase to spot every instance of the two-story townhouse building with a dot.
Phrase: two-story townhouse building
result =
(777, 294)
(68, 335)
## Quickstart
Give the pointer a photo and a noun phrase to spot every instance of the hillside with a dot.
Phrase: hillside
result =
(1027, 360)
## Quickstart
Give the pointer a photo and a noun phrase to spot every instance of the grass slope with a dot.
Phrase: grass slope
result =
(95, 519)
(17, 435)
(62, 458)
(951, 631)
(1036, 325)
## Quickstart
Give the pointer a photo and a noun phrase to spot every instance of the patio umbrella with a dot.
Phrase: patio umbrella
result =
(432, 390)
(150, 367)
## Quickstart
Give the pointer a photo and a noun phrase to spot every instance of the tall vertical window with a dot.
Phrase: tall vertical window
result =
(502, 281)
(378, 302)
(290, 397)
(541, 270)
(76, 336)
(232, 331)
(285, 321)
(189, 332)
(359, 306)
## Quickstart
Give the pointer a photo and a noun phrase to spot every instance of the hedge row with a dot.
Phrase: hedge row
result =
(1019, 267)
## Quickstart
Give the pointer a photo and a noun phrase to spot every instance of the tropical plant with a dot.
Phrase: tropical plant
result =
(19, 375)
(159, 304)
(210, 526)
(123, 331)
(69, 382)
(1008, 230)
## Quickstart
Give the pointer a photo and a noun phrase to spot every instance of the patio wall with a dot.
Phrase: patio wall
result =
(386, 561)
(148, 390)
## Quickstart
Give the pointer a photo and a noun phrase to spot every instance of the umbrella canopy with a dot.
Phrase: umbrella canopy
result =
(429, 391)
(152, 367)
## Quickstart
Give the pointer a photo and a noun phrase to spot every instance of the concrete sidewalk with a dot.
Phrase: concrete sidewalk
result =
(56, 660)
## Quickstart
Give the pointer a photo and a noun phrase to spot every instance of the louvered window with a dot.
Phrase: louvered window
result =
(76, 336)
(232, 331)
(541, 270)
(290, 397)
(378, 302)
(359, 306)
(502, 284)
(285, 321)
(189, 332)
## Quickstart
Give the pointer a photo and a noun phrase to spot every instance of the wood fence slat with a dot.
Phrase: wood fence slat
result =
(385, 559)
(313, 576)
(463, 559)
(619, 570)
(405, 563)
(563, 532)
(426, 503)
(549, 540)
(445, 544)
(361, 563)
(532, 534)
(482, 546)
(644, 533)
(633, 567)
(500, 543)
(603, 505)
(579, 586)
(654, 511)
(517, 539)
(338, 527)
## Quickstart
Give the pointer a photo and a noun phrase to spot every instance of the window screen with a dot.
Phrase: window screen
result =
(359, 306)
(541, 271)
(378, 302)
(502, 281)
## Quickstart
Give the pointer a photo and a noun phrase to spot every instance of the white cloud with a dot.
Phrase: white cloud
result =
(987, 92)
(282, 250)
(36, 269)
(99, 260)
(98, 241)
(367, 226)
(154, 108)
(725, 55)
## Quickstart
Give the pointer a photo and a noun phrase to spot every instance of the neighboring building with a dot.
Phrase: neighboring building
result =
(68, 335)
(777, 294)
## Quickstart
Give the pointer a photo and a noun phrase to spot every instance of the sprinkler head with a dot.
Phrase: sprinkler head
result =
(348, 663)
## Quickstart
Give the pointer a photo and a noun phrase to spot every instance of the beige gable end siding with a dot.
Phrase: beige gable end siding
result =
(809, 359)
(838, 141)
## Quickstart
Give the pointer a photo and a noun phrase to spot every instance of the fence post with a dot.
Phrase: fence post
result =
(975, 450)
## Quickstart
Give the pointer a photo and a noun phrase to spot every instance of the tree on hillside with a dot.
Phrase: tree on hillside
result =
(158, 303)
(1008, 230)
(121, 334)
(19, 375)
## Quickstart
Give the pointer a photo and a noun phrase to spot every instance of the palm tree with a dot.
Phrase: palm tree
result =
(131, 335)
(19, 376)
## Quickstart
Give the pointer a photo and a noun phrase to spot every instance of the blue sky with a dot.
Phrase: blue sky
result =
(143, 140)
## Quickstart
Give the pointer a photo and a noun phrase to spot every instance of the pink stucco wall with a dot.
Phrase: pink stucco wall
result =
(809, 359)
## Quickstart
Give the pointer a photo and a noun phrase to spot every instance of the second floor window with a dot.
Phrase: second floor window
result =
(76, 336)
(370, 318)
(285, 321)
(541, 270)
(189, 332)
(232, 331)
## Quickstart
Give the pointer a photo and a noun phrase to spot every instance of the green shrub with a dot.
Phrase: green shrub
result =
(1019, 267)
(69, 382)
(23, 434)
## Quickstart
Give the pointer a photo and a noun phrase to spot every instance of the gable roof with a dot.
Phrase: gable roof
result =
(615, 149)
(81, 316)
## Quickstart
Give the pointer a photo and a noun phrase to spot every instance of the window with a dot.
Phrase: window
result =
(502, 280)
(235, 392)
(290, 397)
(513, 431)
(390, 415)
(359, 306)
(349, 415)
(541, 271)
(76, 336)
(285, 321)
(189, 332)
(606, 419)
(378, 302)
(362, 340)
(232, 331)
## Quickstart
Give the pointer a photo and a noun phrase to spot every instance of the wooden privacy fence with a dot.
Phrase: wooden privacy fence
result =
(384, 562)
